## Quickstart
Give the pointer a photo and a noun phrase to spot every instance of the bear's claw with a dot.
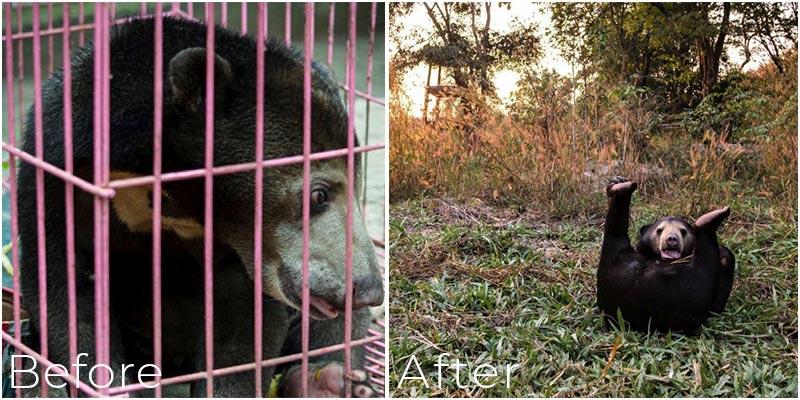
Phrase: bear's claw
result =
(328, 380)
(620, 185)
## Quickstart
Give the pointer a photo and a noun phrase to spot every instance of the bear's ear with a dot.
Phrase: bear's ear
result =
(187, 78)
(644, 229)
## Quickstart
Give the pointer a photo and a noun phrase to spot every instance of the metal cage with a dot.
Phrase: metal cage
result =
(103, 187)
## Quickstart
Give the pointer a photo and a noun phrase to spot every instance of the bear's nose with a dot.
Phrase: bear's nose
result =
(367, 291)
(672, 240)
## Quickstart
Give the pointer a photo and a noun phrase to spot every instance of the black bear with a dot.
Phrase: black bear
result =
(131, 127)
(677, 274)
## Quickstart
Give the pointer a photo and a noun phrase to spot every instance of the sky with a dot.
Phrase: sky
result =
(506, 80)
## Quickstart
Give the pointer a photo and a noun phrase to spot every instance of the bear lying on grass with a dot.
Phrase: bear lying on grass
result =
(677, 274)
(131, 282)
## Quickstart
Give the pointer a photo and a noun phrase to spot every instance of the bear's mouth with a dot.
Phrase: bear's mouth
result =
(323, 307)
(670, 254)
(320, 309)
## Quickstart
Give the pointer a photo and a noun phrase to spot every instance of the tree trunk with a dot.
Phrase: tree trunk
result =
(709, 53)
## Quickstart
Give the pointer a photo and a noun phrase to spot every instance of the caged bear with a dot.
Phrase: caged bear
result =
(130, 225)
(675, 277)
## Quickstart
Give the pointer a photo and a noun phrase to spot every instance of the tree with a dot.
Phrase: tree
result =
(677, 49)
(707, 26)
(626, 43)
(771, 27)
(462, 40)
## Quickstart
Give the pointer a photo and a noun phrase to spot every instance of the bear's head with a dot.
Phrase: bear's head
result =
(281, 263)
(668, 239)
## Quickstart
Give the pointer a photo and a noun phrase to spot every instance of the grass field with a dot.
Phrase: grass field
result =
(504, 285)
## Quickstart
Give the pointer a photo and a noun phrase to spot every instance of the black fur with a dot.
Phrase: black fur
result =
(651, 294)
(183, 142)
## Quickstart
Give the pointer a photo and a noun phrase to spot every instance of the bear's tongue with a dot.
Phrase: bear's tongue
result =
(323, 307)
(670, 254)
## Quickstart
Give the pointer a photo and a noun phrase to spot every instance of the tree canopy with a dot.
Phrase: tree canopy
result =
(675, 54)
(676, 49)
(463, 41)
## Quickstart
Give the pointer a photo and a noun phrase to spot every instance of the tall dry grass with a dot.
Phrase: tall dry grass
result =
(562, 170)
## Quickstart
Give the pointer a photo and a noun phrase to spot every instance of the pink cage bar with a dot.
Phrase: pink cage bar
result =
(103, 188)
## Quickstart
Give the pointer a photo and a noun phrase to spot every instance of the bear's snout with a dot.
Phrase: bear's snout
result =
(672, 240)
(367, 291)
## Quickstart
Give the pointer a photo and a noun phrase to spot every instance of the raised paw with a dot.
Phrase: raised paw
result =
(620, 185)
(328, 380)
(713, 219)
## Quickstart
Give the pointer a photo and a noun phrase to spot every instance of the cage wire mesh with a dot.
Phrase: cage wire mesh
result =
(39, 38)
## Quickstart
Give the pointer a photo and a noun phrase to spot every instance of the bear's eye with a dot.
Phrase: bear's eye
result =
(320, 200)
(683, 232)
(319, 197)
(659, 230)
